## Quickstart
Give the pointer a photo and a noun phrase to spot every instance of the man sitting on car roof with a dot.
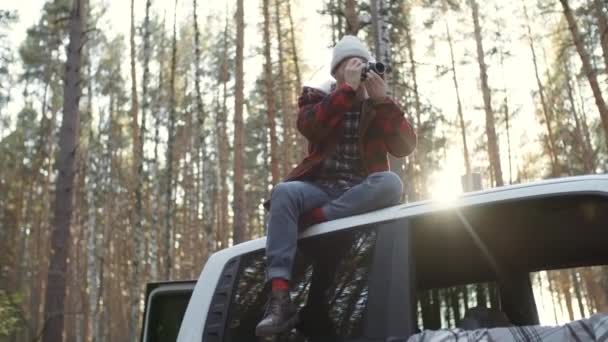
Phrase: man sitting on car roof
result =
(350, 130)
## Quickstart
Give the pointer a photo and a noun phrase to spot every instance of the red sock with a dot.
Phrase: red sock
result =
(312, 217)
(317, 215)
(279, 284)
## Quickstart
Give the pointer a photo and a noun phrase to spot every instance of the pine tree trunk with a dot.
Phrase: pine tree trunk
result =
(201, 116)
(602, 25)
(168, 233)
(224, 161)
(101, 180)
(463, 132)
(134, 99)
(25, 212)
(585, 150)
(445, 302)
(381, 33)
(426, 311)
(508, 129)
(210, 189)
(352, 17)
(224, 148)
(108, 209)
(142, 137)
(73, 328)
(135, 143)
(138, 234)
(564, 287)
(266, 183)
(300, 144)
(217, 172)
(330, 6)
(61, 240)
(587, 67)
(586, 131)
(282, 85)
(464, 290)
(210, 200)
(382, 45)
(339, 10)
(555, 169)
(156, 205)
(26, 209)
(541, 291)
(269, 94)
(417, 175)
(590, 285)
(436, 308)
(42, 229)
(187, 235)
(578, 293)
(93, 180)
(552, 293)
(493, 295)
(493, 151)
(593, 281)
(240, 223)
(454, 296)
(410, 49)
(480, 295)
(507, 113)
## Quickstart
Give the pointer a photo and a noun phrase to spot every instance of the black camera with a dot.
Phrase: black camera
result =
(377, 67)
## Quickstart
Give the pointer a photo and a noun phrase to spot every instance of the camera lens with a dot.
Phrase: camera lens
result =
(379, 68)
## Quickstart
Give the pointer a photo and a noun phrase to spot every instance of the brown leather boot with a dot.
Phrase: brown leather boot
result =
(281, 315)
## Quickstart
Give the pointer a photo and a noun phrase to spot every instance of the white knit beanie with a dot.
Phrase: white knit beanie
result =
(349, 46)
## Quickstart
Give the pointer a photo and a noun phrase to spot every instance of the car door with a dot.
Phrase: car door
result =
(164, 310)
(344, 283)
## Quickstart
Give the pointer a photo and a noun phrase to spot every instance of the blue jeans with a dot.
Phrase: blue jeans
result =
(290, 199)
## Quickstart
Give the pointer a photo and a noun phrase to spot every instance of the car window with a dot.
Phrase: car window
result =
(329, 286)
(569, 294)
(166, 313)
(561, 296)
(444, 308)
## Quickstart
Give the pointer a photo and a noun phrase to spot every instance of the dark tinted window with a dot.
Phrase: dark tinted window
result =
(329, 286)
(166, 313)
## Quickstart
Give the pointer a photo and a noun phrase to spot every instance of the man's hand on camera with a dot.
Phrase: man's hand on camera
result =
(375, 86)
(352, 72)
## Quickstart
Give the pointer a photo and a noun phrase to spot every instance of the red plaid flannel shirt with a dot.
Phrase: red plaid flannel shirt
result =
(383, 129)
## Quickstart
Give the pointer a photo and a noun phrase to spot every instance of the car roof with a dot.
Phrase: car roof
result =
(589, 184)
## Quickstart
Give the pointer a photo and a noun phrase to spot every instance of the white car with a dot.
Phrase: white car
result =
(389, 274)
